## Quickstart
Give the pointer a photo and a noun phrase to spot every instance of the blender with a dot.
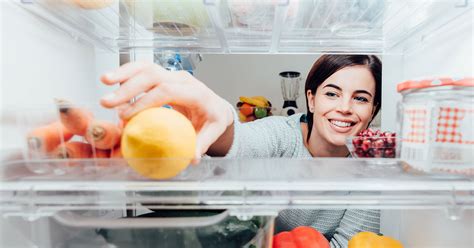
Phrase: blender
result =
(290, 85)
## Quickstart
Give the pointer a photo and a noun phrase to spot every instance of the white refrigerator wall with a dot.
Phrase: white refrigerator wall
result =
(40, 63)
(37, 64)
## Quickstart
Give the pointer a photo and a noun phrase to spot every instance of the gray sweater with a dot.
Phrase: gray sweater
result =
(278, 136)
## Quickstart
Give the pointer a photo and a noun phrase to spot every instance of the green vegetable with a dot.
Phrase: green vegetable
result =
(260, 112)
(231, 232)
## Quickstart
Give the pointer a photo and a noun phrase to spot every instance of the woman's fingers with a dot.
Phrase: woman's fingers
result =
(124, 72)
(141, 82)
(208, 134)
(153, 98)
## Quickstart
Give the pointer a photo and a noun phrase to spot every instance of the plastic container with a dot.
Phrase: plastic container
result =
(259, 15)
(436, 118)
(57, 157)
(170, 18)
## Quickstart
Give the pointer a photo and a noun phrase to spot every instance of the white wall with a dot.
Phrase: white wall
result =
(448, 52)
(231, 76)
(41, 63)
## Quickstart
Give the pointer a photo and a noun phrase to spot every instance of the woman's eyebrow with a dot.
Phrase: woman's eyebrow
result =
(333, 86)
(339, 88)
(363, 91)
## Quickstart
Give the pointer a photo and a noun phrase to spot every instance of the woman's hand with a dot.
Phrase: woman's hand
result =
(210, 114)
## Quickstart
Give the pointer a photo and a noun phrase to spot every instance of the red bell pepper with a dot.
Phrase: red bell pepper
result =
(302, 236)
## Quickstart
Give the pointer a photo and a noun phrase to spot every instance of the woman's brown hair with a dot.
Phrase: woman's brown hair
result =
(327, 65)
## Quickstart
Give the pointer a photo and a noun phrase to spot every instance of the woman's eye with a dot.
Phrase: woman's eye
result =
(330, 94)
(361, 99)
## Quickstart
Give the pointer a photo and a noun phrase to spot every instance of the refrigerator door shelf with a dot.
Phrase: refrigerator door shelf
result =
(263, 26)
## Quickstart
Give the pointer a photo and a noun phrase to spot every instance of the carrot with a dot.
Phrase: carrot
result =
(103, 134)
(73, 118)
(74, 149)
(48, 137)
(102, 157)
(116, 153)
(99, 153)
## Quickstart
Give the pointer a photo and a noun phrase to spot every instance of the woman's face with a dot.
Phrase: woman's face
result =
(342, 105)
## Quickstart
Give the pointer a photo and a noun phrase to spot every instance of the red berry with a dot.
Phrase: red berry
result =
(366, 144)
(387, 134)
(357, 141)
(390, 142)
(379, 153)
(371, 153)
(359, 152)
(389, 153)
(379, 143)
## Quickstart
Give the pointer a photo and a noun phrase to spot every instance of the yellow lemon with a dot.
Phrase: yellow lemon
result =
(159, 143)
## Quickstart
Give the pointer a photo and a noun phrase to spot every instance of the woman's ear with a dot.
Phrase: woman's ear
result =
(310, 100)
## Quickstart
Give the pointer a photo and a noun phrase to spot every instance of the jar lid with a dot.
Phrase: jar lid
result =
(434, 82)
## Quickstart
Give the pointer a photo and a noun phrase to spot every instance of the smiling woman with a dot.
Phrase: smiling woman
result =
(343, 94)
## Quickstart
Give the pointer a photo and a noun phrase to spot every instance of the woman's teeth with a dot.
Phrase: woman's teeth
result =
(341, 123)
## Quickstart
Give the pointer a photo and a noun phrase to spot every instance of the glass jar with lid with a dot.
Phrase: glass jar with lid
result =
(436, 124)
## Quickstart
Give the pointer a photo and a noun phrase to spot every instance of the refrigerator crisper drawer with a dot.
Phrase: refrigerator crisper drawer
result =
(99, 229)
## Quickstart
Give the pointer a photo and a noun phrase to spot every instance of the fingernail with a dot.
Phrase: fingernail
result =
(109, 75)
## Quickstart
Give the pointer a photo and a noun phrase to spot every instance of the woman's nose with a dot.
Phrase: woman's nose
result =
(345, 106)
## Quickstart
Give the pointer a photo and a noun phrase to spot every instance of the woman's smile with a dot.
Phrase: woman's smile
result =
(341, 126)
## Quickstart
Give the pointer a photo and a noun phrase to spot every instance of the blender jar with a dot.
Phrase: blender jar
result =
(290, 85)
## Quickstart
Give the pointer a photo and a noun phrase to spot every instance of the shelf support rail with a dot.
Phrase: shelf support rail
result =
(212, 8)
(454, 211)
(281, 12)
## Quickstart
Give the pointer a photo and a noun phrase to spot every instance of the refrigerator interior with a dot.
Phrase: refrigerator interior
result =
(57, 50)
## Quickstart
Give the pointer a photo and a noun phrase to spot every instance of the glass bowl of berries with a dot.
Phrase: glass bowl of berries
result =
(371, 143)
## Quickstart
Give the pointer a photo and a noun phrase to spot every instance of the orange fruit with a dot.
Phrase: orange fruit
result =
(246, 109)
